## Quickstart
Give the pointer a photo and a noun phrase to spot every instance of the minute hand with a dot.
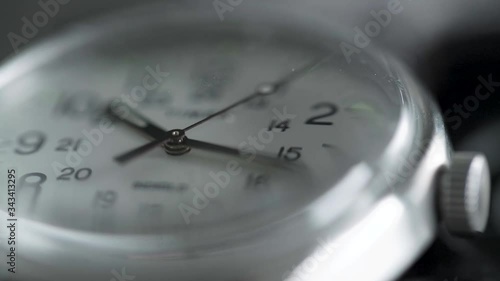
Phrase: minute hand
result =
(203, 145)
(263, 90)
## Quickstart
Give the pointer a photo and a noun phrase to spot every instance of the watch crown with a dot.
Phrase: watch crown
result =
(465, 194)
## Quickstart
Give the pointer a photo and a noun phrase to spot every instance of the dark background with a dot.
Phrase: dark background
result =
(449, 44)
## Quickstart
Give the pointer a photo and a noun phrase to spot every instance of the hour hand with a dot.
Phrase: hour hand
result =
(135, 120)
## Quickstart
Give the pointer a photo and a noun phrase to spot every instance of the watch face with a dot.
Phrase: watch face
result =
(303, 116)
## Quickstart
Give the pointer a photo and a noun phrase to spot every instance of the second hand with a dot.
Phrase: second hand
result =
(261, 91)
(264, 90)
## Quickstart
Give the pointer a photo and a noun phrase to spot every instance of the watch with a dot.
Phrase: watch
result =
(175, 142)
